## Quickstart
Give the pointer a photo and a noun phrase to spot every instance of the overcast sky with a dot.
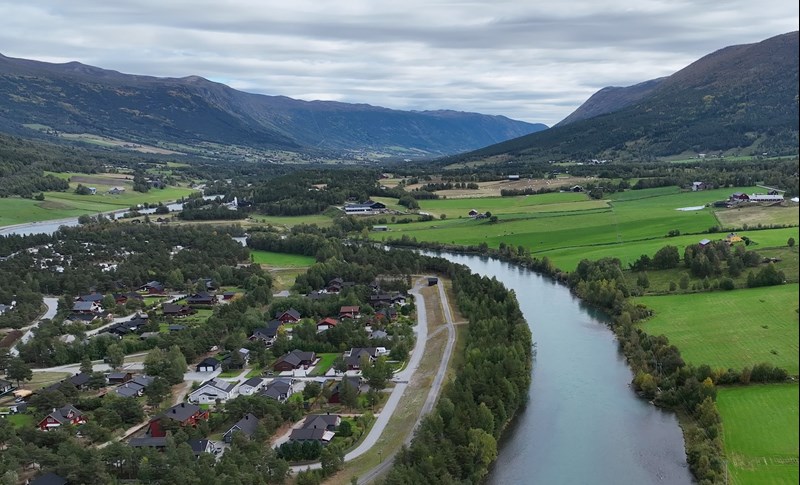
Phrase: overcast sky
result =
(526, 59)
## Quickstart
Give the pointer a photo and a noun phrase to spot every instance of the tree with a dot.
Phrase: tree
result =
(86, 365)
(666, 258)
(311, 390)
(339, 365)
(157, 391)
(790, 242)
(5, 358)
(643, 281)
(115, 356)
(18, 370)
(348, 394)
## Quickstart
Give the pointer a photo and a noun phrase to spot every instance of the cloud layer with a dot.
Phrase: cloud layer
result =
(527, 60)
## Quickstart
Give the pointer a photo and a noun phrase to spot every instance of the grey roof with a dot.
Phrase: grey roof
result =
(60, 415)
(246, 425)
(128, 391)
(80, 379)
(378, 334)
(277, 388)
(323, 421)
(181, 412)
(91, 297)
(221, 385)
(208, 361)
(253, 382)
(291, 312)
(307, 434)
(198, 446)
(4, 383)
(143, 381)
(356, 352)
(117, 375)
(296, 357)
(82, 306)
(157, 442)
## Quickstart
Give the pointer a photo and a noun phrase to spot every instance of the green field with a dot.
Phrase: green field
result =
(730, 329)
(567, 227)
(760, 426)
(288, 221)
(60, 205)
(281, 260)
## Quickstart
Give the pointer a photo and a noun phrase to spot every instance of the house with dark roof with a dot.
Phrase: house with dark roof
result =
(5, 386)
(354, 356)
(153, 288)
(119, 377)
(289, 316)
(211, 391)
(129, 390)
(317, 427)
(93, 297)
(201, 446)
(202, 298)
(352, 381)
(81, 380)
(184, 414)
(251, 386)
(65, 416)
(123, 298)
(267, 334)
(279, 390)
(247, 426)
(48, 479)
(174, 310)
(86, 307)
(387, 314)
(157, 442)
(294, 360)
(209, 364)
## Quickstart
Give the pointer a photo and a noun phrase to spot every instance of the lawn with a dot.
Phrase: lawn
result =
(20, 420)
(324, 364)
(730, 329)
(283, 279)
(321, 220)
(281, 260)
(760, 426)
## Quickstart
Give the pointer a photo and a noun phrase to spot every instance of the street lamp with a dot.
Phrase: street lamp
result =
(380, 456)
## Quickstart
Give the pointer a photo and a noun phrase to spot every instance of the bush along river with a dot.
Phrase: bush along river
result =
(583, 423)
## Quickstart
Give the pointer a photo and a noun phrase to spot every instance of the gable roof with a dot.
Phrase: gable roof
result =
(180, 412)
(296, 357)
(83, 306)
(291, 312)
(209, 361)
(199, 446)
(62, 415)
(310, 434)
(321, 421)
(148, 441)
(91, 297)
(80, 379)
(253, 382)
(277, 388)
(246, 425)
(224, 386)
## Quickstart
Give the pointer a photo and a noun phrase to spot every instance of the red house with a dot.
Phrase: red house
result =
(326, 323)
(294, 360)
(289, 316)
(184, 414)
(349, 312)
(68, 415)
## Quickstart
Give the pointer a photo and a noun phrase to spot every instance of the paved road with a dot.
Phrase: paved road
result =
(401, 382)
(52, 306)
(433, 394)
(172, 299)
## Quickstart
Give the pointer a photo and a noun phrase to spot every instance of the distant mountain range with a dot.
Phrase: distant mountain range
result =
(742, 98)
(38, 97)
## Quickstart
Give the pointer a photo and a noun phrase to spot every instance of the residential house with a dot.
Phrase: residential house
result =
(48, 479)
(93, 297)
(433, 281)
(157, 442)
(244, 358)
(367, 208)
(202, 298)
(326, 323)
(387, 314)
(380, 299)
(81, 380)
(153, 288)
(135, 387)
(86, 308)
(201, 446)
(279, 390)
(576, 188)
(185, 414)
(335, 285)
(294, 360)
(5, 386)
(380, 228)
(116, 190)
(352, 381)
(174, 310)
(473, 213)
(119, 377)
(349, 312)
(699, 186)
(247, 426)
(267, 334)
(704, 242)
(378, 335)
(251, 386)
(289, 316)
(209, 364)
(176, 328)
(317, 427)
(353, 356)
(67, 415)
(228, 295)
(211, 391)
(739, 196)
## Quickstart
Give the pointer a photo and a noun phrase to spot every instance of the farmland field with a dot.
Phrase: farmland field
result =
(281, 260)
(567, 227)
(730, 329)
(760, 426)
(752, 215)
(59, 205)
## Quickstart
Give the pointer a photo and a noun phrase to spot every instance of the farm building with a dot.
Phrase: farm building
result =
(513, 177)
(766, 198)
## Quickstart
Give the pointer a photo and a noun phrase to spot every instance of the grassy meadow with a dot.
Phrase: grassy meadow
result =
(730, 329)
(60, 205)
(760, 429)
(281, 260)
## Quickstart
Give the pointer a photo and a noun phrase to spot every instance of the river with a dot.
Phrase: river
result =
(583, 423)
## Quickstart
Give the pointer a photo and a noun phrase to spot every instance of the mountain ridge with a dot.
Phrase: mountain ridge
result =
(76, 98)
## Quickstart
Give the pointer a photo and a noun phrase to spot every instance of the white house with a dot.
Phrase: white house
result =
(210, 391)
(251, 386)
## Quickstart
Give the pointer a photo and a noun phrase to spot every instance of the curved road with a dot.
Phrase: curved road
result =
(401, 382)
(52, 307)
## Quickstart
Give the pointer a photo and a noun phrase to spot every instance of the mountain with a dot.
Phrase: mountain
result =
(740, 99)
(183, 113)
(610, 99)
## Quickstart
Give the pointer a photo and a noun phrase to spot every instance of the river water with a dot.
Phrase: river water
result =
(583, 423)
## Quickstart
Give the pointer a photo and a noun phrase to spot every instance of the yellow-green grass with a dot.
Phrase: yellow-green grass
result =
(500, 205)
(753, 214)
(283, 279)
(20, 420)
(281, 260)
(760, 431)
(289, 221)
(730, 329)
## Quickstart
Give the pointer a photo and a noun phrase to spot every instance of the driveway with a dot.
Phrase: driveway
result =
(52, 307)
